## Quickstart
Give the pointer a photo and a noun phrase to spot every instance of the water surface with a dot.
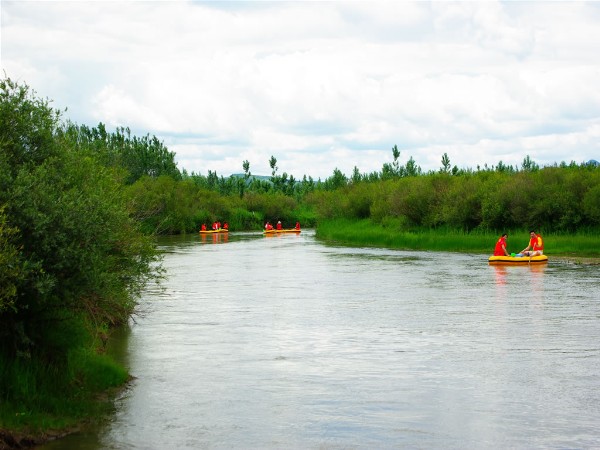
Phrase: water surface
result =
(284, 342)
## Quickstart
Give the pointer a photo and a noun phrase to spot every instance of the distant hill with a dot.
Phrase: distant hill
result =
(252, 177)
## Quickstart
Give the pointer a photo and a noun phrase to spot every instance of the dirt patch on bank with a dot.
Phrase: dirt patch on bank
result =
(15, 440)
(580, 260)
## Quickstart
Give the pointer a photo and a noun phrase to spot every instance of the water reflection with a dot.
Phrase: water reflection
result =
(501, 272)
(531, 274)
(214, 238)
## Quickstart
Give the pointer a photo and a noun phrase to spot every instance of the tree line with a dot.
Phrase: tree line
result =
(563, 198)
(165, 200)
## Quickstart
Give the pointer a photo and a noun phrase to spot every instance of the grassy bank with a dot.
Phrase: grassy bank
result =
(45, 400)
(391, 235)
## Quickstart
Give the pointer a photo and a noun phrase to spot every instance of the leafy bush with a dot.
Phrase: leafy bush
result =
(76, 260)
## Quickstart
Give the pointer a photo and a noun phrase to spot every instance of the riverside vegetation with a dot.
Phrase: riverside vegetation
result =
(79, 207)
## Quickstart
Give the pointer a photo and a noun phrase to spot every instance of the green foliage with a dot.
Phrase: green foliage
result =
(36, 396)
(242, 219)
(496, 198)
(138, 157)
(73, 259)
(11, 269)
(327, 204)
(460, 205)
(551, 198)
(273, 207)
(591, 204)
(26, 130)
(445, 163)
(393, 233)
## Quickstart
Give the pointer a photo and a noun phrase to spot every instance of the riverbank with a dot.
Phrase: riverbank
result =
(581, 248)
(50, 401)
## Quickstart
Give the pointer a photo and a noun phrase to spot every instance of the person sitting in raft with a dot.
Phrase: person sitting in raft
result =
(279, 226)
(536, 244)
(226, 226)
(297, 225)
(500, 249)
(268, 226)
(203, 227)
(214, 225)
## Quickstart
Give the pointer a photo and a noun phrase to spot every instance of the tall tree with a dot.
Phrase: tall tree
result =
(445, 163)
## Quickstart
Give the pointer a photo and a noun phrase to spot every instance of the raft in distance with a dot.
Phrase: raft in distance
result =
(285, 230)
(219, 230)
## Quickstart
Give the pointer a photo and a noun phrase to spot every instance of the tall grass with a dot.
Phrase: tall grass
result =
(37, 396)
(394, 235)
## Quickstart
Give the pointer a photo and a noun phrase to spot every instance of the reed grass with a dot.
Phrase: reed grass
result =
(394, 235)
(37, 396)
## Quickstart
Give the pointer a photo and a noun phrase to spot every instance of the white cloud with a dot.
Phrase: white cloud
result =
(321, 85)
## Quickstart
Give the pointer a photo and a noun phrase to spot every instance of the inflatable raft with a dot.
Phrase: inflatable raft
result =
(220, 230)
(285, 230)
(517, 260)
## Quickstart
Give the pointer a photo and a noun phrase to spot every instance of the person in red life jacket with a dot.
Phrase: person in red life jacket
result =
(297, 225)
(203, 227)
(536, 244)
(226, 226)
(279, 226)
(500, 249)
(268, 226)
(214, 225)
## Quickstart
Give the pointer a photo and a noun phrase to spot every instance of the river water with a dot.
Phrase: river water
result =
(284, 342)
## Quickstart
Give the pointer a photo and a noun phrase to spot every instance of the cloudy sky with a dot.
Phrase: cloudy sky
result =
(320, 85)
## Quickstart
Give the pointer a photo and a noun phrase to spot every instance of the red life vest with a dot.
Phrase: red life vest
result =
(536, 243)
(498, 251)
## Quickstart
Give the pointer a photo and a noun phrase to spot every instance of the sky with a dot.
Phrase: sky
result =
(320, 85)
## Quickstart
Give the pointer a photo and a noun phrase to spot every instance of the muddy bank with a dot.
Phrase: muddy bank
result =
(17, 440)
(580, 260)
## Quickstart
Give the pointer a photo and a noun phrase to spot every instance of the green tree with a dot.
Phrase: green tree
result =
(83, 258)
(273, 165)
(336, 181)
(412, 169)
(445, 163)
(395, 163)
(145, 156)
(529, 165)
(11, 269)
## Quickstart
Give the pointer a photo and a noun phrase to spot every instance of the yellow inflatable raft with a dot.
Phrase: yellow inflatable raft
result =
(517, 260)
(220, 230)
(285, 230)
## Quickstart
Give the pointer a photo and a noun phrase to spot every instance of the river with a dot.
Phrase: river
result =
(285, 342)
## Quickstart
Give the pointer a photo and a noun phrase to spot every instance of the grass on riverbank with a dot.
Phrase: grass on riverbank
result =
(366, 233)
(41, 400)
